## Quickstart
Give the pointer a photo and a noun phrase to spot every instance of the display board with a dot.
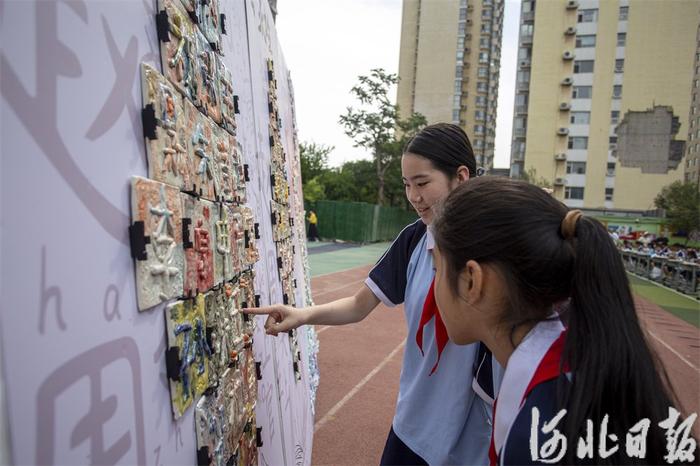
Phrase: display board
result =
(108, 208)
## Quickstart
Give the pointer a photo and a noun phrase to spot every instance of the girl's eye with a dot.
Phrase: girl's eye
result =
(422, 184)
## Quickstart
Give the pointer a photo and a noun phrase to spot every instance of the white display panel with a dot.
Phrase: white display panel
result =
(83, 370)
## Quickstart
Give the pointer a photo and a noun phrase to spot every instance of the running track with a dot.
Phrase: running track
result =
(360, 366)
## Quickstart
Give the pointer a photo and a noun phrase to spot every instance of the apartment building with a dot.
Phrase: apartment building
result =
(582, 66)
(449, 66)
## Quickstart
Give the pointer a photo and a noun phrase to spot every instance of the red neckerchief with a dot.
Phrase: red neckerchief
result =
(429, 310)
(548, 369)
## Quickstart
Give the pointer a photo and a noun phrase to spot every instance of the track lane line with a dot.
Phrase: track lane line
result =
(331, 412)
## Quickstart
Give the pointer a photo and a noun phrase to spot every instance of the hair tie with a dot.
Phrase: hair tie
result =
(568, 225)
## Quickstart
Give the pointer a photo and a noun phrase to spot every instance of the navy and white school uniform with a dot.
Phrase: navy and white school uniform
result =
(439, 416)
(532, 378)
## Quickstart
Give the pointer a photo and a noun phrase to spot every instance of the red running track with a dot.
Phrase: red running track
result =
(360, 366)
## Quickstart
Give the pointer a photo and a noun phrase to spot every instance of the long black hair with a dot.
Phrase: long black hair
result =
(446, 145)
(516, 227)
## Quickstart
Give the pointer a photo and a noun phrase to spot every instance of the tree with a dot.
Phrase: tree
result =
(314, 159)
(314, 163)
(681, 201)
(377, 125)
(530, 175)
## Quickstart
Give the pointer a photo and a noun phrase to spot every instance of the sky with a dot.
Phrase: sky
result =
(327, 44)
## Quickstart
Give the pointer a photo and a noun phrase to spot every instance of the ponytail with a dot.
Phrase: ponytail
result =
(548, 254)
(606, 348)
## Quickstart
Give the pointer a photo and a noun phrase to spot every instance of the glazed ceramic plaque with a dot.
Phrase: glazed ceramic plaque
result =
(156, 232)
(169, 156)
(188, 352)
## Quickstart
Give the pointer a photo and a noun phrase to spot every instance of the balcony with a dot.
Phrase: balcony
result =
(519, 132)
(521, 109)
(526, 39)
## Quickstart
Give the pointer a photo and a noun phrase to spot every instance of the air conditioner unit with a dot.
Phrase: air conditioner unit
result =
(469, 22)
(470, 7)
(571, 5)
(563, 131)
(560, 157)
(559, 181)
(568, 81)
(570, 31)
(468, 36)
(564, 106)
(524, 63)
(568, 55)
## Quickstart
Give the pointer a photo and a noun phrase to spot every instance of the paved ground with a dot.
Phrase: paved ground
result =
(360, 364)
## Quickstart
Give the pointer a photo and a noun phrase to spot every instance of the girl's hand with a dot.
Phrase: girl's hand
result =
(280, 318)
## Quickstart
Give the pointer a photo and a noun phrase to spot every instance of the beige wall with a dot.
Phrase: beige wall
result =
(407, 56)
(546, 93)
(435, 72)
(659, 52)
(658, 70)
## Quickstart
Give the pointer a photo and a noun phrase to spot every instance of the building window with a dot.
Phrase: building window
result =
(614, 116)
(479, 115)
(571, 192)
(480, 100)
(582, 92)
(524, 53)
(583, 66)
(621, 39)
(576, 168)
(455, 115)
(609, 194)
(521, 99)
(612, 142)
(580, 118)
(484, 57)
(623, 13)
(527, 7)
(479, 143)
(462, 14)
(520, 123)
(524, 76)
(617, 91)
(611, 169)
(482, 72)
(526, 29)
(481, 86)
(578, 142)
(478, 129)
(619, 65)
(588, 16)
(585, 41)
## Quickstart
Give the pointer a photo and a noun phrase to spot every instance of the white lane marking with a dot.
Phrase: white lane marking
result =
(329, 415)
(667, 346)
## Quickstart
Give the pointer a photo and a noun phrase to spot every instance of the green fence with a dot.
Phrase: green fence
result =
(358, 221)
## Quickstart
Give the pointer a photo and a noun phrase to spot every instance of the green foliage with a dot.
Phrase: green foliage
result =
(377, 126)
(530, 175)
(314, 159)
(314, 163)
(313, 190)
(681, 201)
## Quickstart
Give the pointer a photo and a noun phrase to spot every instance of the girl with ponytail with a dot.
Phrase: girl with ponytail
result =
(506, 255)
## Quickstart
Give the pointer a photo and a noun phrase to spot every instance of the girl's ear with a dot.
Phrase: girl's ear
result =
(462, 174)
(474, 276)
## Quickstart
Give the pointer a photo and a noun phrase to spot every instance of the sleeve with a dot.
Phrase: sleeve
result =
(387, 280)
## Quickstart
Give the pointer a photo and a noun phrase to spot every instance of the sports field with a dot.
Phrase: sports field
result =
(360, 364)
